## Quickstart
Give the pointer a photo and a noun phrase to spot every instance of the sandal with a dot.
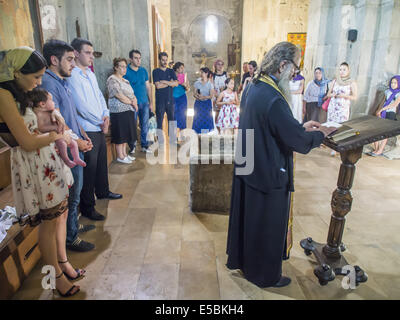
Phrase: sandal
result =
(79, 272)
(69, 292)
(376, 154)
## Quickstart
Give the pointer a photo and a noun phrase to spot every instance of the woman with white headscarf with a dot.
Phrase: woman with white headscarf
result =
(342, 91)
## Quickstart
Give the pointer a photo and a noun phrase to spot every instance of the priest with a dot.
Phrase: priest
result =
(260, 199)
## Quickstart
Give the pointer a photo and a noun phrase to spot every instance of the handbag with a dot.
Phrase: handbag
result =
(325, 105)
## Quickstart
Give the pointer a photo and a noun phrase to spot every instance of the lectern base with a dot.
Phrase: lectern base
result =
(328, 267)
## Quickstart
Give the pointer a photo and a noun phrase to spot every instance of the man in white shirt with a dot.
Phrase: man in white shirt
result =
(93, 116)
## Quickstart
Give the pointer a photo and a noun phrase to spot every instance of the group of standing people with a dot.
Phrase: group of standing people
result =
(129, 99)
(47, 99)
(213, 92)
(330, 100)
(55, 98)
(323, 100)
(341, 91)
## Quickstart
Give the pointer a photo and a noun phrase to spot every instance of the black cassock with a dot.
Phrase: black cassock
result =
(259, 212)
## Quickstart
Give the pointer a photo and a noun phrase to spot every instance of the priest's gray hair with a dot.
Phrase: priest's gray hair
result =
(280, 52)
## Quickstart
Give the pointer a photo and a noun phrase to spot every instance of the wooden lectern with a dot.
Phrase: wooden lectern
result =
(364, 130)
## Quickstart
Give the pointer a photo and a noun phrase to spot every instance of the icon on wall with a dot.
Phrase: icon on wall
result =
(299, 39)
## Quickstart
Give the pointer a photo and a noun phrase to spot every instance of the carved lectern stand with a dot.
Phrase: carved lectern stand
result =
(366, 130)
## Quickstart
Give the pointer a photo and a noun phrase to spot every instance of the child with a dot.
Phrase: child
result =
(228, 118)
(43, 106)
(181, 78)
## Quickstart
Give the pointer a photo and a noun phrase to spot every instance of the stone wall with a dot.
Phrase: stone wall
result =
(114, 28)
(17, 28)
(373, 58)
(267, 22)
(188, 31)
(15, 24)
(164, 9)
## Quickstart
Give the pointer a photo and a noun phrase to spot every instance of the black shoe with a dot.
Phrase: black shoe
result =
(80, 245)
(111, 196)
(94, 216)
(283, 282)
(71, 292)
(86, 227)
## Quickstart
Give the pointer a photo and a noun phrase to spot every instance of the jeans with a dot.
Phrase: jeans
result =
(144, 112)
(73, 202)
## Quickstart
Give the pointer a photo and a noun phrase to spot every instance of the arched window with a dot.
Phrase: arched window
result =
(212, 29)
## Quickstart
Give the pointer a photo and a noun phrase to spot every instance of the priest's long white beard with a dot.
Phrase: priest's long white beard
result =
(283, 83)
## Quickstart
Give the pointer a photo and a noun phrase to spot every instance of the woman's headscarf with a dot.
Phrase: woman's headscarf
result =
(393, 95)
(321, 84)
(14, 60)
(346, 81)
(298, 77)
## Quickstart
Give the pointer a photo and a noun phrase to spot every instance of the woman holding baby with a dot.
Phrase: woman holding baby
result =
(40, 178)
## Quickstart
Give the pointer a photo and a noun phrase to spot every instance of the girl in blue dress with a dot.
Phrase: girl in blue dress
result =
(204, 92)
(180, 98)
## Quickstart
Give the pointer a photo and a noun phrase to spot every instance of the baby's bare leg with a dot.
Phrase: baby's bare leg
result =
(73, 146)
(62, 149)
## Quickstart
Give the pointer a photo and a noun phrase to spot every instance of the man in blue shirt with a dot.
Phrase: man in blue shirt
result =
(139, 80)
(165, 80)
(94, 117)
(60, 59)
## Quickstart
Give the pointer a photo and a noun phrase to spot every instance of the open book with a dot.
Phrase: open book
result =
(343, 132)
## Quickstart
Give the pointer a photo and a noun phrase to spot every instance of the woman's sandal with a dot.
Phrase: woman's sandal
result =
(69, 292)
(79, 272)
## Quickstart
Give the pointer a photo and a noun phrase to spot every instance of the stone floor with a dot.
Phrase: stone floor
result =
(152, 247)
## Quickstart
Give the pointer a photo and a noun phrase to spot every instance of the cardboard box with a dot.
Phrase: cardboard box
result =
(19, 253)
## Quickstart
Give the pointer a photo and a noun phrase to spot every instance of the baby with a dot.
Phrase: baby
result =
(43, 106)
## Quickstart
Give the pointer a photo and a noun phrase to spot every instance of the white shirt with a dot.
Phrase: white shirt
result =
(88, 98)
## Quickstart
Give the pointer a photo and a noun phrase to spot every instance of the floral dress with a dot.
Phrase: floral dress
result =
(40, 179)
(229, 116)
(339, 108)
